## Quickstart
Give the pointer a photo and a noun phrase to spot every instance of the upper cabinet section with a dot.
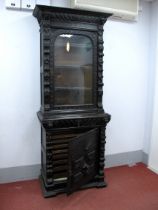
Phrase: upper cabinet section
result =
(71, 43)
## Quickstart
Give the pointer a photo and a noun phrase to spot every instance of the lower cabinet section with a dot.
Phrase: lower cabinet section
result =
(72, 159)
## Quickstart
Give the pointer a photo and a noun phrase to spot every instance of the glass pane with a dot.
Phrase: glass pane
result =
(73, 70)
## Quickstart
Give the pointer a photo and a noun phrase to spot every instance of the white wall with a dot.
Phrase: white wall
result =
(19, 89)
(153, 154)
(126, 69)
(125, 91)
(151, 77)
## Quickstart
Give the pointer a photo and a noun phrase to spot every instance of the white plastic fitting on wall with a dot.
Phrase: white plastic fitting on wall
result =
(43, 2)
(12, 4)
(28, 4)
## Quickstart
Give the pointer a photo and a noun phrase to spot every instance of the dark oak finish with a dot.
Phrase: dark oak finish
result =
(72, 118)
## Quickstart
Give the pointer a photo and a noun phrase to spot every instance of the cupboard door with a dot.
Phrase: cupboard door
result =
(83, 157)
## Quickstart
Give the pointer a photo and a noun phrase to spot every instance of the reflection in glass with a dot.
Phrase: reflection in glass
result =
(73, 70)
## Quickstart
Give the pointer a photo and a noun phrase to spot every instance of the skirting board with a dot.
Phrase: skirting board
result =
(126, 158)
(21, 173)
(153, 169)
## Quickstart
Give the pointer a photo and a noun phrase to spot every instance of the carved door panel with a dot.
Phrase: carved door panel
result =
(83, 156)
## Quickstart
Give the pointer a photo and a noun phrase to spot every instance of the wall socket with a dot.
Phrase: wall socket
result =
(26, 4)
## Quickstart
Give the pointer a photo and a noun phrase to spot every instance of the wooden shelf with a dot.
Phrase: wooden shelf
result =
(73, 88)
(81, 67)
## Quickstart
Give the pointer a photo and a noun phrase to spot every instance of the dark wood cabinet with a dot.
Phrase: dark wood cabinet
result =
(72, 118)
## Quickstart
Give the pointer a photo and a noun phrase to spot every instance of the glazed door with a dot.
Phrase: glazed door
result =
(74, 69)
(83, 156)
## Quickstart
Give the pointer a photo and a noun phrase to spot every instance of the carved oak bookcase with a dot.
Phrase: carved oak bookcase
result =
(72, 118)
